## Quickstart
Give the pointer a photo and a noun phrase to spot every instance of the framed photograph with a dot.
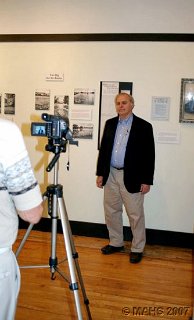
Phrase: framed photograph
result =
(9, 103)
(187, 101)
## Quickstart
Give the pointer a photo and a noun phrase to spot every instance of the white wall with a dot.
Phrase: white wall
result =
(93, 16)
(155, 69)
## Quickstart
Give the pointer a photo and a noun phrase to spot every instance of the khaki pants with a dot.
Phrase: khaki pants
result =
(115, 196)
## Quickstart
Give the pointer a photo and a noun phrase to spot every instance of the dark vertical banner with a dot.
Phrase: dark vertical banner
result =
(126, 87)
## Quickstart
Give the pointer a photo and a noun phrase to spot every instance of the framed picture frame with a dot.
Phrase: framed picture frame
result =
(187, 101)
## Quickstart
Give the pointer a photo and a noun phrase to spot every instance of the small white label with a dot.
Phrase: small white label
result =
(55, 77)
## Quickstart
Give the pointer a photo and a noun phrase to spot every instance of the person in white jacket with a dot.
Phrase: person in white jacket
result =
(19, 195)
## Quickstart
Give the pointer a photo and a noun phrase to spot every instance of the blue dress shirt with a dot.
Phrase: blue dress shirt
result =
(120, 142)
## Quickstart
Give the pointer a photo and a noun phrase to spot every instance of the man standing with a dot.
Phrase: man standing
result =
(125, 169)
(19, 191)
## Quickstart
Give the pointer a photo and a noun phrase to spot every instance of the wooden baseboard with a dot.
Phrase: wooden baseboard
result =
(98, 230)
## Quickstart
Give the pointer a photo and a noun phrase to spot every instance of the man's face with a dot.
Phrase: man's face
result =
(124, 106)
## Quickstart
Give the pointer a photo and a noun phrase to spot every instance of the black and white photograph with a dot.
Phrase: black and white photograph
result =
(97, 163)
(42, 100)
(84, 96)
(83, 131)
(61, 106)
(187, 101)
(9, 103)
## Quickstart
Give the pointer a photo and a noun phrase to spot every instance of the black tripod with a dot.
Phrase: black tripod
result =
(56, 203)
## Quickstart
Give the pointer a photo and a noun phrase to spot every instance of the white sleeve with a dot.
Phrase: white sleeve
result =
(12, 144)
(19, 177)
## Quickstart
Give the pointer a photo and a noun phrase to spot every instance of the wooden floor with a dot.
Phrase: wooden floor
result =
(160, 287)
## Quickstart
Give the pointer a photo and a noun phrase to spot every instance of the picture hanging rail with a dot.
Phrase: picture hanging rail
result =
(152, 37)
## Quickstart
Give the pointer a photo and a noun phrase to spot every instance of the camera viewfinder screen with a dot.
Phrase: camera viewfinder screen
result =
(38, 129)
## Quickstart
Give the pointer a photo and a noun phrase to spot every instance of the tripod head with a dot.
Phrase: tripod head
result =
(57, 146)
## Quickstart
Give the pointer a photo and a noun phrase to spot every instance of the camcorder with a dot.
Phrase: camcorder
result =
(56, 129)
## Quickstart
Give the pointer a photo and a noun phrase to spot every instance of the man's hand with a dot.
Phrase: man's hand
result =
(99, 182)
(145, 188)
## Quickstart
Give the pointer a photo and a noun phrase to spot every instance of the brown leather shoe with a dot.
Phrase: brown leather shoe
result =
(135, 257)
(108, 249)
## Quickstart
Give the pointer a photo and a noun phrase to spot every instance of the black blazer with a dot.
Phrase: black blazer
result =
(139, 156)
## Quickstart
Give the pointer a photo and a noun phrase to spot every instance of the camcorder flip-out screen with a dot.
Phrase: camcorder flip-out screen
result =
(39, 129)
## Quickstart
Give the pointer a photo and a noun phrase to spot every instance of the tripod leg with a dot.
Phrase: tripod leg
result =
(75, 255)
(24, 240)
(26, 234)
(53, 259)
(65, 221)
(74, 284)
